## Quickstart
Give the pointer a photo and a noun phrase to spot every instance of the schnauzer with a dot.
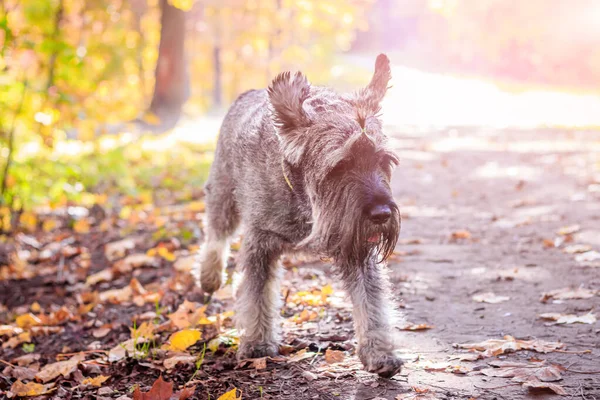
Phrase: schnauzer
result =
(304, 168)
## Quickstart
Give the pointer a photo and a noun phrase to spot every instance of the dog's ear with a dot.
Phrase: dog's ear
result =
(369, 98)
(287, 93)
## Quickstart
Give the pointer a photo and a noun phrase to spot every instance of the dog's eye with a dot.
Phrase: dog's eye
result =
(339, 169)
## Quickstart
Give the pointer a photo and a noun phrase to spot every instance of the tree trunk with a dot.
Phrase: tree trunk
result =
(172, 81)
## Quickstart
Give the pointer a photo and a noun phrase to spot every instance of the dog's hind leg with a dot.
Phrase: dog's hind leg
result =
(258, 300)
(222, 219)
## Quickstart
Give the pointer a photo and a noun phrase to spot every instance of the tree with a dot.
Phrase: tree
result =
(171, 89)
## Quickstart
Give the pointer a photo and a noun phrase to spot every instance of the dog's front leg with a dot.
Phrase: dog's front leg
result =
(258, 300)
(368, 288)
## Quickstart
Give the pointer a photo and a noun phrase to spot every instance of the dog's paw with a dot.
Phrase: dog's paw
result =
(257, 350)
(210, 281)
(383, 363)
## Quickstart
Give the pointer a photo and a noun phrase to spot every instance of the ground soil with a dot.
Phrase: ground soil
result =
(481, 213)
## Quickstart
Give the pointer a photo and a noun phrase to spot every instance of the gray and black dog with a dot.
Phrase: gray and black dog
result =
(304, 168)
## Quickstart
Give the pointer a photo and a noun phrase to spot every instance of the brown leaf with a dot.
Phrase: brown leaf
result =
(21, 373)
(170, 363)
(136, 261)
(568, 294)
(186, 393)
(30, 389)
(118, 249)
(461, 234)
(588, 318)
(106, 275)
(494, 347)
(545, 385)
(334, 356)
(64, 368)
(160, 390)
(259, 363)
(96, 381)
(26, 359)
(188, 315)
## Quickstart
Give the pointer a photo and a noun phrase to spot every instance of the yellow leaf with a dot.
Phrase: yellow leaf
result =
(30, 389)
(185, 5)
(97, 381)
(49, 225)
(28, 220)
(196, 206)
(179, 341)
(231, 395)
(166, 254)
(35, 307)
(145, 330)
(82, 226)
(149, 117)
(28, 320)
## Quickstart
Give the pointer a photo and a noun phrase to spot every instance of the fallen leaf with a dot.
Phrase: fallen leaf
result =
(26, 359)
(179, 341)
(64, 368)
(121, 350)
(569, 230)
(490, 297)
(231, 395)
(545, 385)
(101, 332)
(259, 363)
(170, 363)
(118, 249)
(20, 373)
(17, 340)
(188, 314)
(116, 295)
(568, 294)
(133, 261)
(27, 320)
(588, 318)
(186, 393)
(466, 357)
(577, 248)
(145, 330)
(588, 256)
(160, 390)
(106, 275)
(30, 389)
(96, 381)
(301, 355)
(334, 356)
(416, 327)
(494, 347)
(9, 330)
(461, 234)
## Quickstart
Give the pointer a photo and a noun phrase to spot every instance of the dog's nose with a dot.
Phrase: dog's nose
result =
(380, 213)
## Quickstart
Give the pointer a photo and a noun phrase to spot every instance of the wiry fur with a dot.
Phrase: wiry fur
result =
(332, 150)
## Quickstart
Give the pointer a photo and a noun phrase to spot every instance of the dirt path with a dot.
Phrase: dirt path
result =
(482, 213)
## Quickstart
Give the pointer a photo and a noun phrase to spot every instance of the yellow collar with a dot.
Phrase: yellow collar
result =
(287, 180)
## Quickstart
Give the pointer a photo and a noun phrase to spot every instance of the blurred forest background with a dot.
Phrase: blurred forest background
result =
(80, 80)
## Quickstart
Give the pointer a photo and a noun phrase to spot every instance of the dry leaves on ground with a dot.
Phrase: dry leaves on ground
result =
(490, 297)
(536, 375)
(64, 368)
(588, 318)
(162, 390)
(568, 294)
(494, 347)
(30, 389)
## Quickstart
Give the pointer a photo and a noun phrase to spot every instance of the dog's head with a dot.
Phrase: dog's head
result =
(335, 144)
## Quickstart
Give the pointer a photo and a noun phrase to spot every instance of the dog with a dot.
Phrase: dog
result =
(304, 168)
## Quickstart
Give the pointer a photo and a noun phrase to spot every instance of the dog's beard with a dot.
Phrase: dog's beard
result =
(342, 231)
